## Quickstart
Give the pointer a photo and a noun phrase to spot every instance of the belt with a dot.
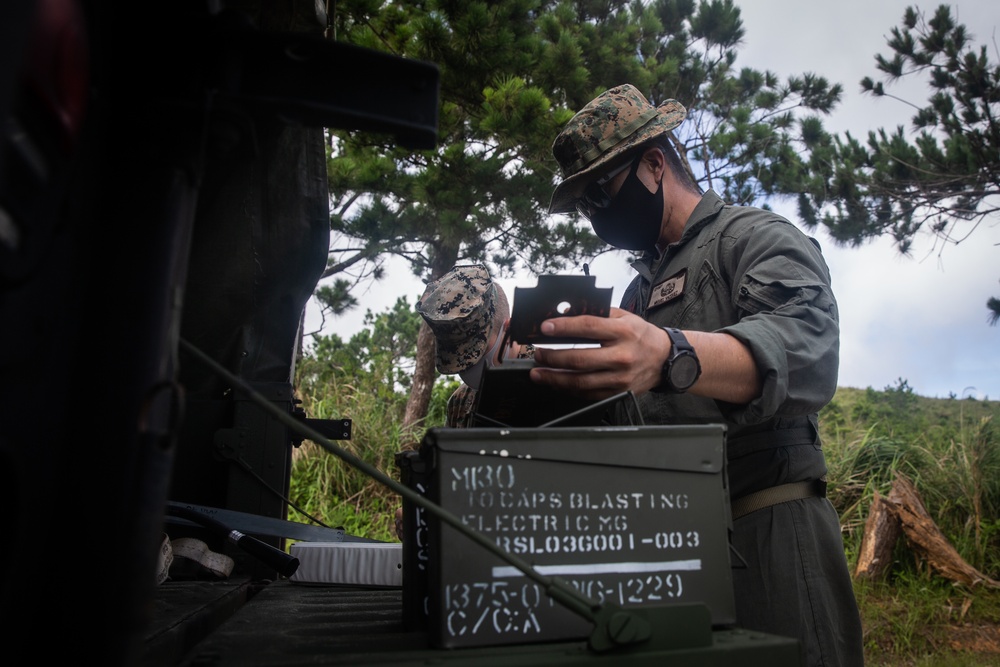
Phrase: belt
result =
(775, 495)
(749, 443)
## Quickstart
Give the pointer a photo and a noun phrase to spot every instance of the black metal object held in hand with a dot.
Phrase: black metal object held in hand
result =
(285, 564)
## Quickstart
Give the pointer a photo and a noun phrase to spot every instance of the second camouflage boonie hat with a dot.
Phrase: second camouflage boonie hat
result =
(615, 121)
(460, 307)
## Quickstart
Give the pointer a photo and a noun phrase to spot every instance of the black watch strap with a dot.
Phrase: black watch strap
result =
(681, 369)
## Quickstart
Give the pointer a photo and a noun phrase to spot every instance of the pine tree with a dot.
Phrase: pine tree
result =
(513, 73)
(943, 176)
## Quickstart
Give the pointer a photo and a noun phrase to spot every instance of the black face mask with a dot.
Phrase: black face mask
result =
(631, 221)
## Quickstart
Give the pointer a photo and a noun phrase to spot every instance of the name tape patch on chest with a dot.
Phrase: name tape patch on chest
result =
(668, 290)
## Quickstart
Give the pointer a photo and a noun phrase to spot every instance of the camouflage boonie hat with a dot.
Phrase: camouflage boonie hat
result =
(612, 123)
(461, 308)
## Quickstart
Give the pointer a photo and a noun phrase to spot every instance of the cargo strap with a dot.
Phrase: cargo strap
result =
(758, 500)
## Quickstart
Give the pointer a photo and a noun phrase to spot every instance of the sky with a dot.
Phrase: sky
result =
(923, 318)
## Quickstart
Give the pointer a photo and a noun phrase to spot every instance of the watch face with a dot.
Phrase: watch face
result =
(684, 370)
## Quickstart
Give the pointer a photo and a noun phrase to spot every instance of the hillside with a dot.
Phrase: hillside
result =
(914, 615)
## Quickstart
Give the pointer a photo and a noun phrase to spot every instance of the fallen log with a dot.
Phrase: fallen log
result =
(882, 531)
(927, 539)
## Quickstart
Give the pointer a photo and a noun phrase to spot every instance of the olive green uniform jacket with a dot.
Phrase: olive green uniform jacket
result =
(752, 274)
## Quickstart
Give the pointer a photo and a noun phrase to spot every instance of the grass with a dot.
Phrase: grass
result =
(950, 449)
(923, 620)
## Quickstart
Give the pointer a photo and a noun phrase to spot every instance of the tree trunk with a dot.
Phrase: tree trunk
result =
(425, 371)
(424, 375)
(927, 539)
(882, 531)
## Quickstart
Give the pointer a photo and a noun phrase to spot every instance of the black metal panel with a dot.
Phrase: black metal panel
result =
(178, 150)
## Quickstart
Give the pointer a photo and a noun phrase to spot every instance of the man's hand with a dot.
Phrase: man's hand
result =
(630, 356)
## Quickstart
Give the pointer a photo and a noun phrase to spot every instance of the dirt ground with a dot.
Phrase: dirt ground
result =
(969, 638)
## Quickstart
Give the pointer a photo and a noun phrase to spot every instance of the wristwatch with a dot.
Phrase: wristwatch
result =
(682, 368)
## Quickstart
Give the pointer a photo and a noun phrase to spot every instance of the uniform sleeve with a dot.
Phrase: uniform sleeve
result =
(788, 318)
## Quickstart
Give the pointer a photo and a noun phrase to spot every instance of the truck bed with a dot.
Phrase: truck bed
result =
(245, 623)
